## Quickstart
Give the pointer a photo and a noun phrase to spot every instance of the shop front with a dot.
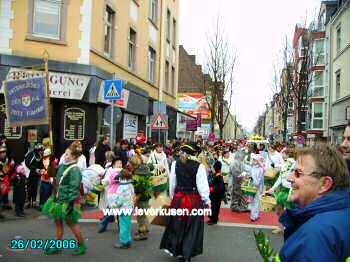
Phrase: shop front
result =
(77, 110)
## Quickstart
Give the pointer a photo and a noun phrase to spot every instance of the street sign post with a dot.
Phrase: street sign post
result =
(159, 122)
(113, 91)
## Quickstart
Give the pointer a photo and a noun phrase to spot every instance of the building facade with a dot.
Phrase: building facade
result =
(88, 42)
(338, 34)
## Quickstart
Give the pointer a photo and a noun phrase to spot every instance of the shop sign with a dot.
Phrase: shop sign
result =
(191, 125)
(74, 124)
(67, 86)
(26, 102)
(130, 126)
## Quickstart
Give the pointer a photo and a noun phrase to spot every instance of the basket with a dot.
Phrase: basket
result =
(267, 203)
(271, 173)
(248, 189)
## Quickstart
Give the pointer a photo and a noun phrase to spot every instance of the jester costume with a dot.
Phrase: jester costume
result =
(183, 236)
(66, 204)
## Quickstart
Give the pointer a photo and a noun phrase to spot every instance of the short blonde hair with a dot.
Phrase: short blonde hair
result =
(329, 162)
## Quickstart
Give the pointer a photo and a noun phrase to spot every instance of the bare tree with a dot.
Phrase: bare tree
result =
(299, 77)
(220, 66)
(282, 85)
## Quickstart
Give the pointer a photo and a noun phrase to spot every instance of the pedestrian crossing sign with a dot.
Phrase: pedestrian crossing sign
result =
(113, 89)
(159, 122)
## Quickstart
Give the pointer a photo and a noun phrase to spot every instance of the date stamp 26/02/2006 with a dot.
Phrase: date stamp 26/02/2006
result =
(43, 244)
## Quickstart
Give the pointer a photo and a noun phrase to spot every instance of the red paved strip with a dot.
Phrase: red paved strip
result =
(226, 216)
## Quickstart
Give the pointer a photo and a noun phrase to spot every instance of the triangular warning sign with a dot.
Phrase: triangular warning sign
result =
(113, 91)
(159, 122)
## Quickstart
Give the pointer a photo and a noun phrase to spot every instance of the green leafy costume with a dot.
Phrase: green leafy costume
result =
(65, 206)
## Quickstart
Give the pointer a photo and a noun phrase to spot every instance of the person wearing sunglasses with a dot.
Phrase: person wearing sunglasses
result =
(319, 229)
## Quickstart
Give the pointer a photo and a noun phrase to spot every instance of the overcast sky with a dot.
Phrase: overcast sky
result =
(256, 30)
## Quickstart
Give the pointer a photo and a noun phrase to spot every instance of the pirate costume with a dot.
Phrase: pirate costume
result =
(183, 236)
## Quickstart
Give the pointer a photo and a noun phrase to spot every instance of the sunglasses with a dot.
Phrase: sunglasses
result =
(298, 174)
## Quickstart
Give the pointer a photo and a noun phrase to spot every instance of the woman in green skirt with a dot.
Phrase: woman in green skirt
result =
(282, 187)
(64, 205)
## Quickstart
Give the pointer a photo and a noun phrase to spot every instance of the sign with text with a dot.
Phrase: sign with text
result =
(26, 102)
(74, 124)
(10, 132)
(67, 86)
(191, 125)
(130, 126)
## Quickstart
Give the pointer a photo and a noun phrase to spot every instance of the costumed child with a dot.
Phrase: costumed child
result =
(64, 204)
(18, 180)
(217, 194)
(143, 193)
(112, 174)
(257, 175)
(123, 199)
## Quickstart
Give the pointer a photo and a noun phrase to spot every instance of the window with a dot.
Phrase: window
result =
(151, 64)
(317, 115)
(173, 80)
(168, 17)
(132, 49)
(318, 83)
(47, 18)
(338, 38)
(319, 52)
(154, 11)
(166, 76)
(301, 46)
(337, 85)
(108, 31)
(174, 33)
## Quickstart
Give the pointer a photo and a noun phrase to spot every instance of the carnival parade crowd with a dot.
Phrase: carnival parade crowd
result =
(308, 187)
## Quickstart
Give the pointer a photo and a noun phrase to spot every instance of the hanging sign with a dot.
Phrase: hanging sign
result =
(26, 102)
(66, 86)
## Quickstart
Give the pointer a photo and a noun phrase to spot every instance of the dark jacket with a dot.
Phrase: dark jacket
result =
(123, 155)
(320, 231)
(348, 164)
(34, 161)
(218, 187)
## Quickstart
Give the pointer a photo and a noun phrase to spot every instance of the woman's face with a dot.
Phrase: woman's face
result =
(68, 156)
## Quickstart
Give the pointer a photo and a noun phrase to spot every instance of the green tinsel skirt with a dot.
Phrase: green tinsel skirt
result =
(160, 188)
(60, 211)
(282, 198)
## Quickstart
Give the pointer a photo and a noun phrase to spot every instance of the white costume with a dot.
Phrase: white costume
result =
(257, 174)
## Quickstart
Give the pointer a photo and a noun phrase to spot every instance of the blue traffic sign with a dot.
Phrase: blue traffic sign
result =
(113, 89)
